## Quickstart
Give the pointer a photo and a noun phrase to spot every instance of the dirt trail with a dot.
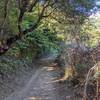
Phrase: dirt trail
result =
(41, 87)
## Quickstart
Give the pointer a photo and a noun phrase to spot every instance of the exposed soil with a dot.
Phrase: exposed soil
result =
(38, 84)
(42, 87)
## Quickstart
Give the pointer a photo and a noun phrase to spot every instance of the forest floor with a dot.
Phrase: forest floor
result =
(42, 86)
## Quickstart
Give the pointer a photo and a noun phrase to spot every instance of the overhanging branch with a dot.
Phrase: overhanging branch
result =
(4, 47)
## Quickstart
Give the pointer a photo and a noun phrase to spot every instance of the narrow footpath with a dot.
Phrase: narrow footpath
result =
(42, 86)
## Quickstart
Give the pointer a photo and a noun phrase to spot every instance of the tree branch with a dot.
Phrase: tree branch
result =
(4, 47)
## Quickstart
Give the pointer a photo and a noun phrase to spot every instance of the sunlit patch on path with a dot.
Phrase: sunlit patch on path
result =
(38, 98)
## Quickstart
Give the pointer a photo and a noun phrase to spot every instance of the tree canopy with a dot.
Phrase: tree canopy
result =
(20, 17)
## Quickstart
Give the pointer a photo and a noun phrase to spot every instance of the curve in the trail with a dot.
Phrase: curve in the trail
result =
(41, 87)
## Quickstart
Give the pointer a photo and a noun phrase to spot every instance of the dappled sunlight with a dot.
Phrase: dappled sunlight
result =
(50, 69)
(33, 98)
(58, 80)
(54, 81)
(38, 98)
(67, 74)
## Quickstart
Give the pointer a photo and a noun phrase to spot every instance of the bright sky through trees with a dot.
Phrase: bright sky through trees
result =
(98, 2)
